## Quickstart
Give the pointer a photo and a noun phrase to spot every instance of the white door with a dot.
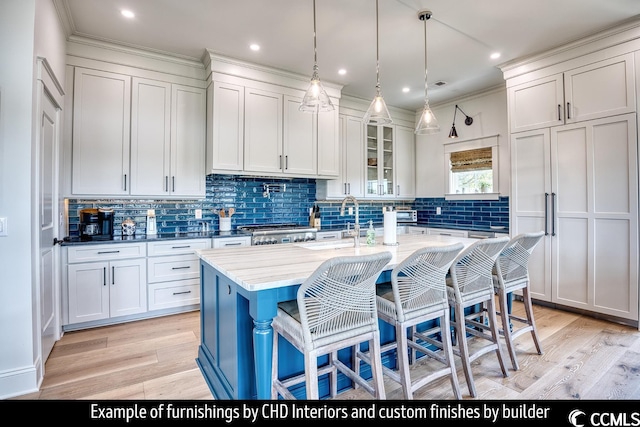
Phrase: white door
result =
(47, 197)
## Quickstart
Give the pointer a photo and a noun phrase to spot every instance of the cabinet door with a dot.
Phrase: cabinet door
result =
(354, 163)
(595, 216)
(329, 153)
(530, 202)
(225, 133)
(263, 131)
(536, 104)
(88, 291)
(188, 122)
(150, 137)
(101, 133)
(300, 139)
(380, 161)
(602, 89)
(405, 162)
(127, 287)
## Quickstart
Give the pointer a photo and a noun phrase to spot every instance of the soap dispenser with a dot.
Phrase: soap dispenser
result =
(371, 234)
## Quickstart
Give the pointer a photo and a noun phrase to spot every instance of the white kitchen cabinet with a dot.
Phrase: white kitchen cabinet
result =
(101, 133)
(225, 128)
(351, 178)
(328, 235)
(405, 162)
(229, 242)
(167, 139)
(414, 229)
(263, 131)
(174, 273)
(579, 183)
(329, 148)
(600, 89)
(380, 174)
(447, 232)
(111, 285)
(300, 140)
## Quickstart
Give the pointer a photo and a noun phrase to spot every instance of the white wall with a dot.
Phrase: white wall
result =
(489, 113)
(27, 27)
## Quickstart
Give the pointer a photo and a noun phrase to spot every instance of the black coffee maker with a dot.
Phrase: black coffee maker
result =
(96, 224)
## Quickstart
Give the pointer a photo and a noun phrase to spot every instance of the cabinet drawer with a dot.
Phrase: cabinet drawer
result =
(174, 294)
(177, 267)
(105, 252)
(447, 232)
(328, 235)
(231, 242)
(177, 247)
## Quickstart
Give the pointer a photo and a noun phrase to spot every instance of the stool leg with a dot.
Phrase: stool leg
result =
(506, 328)
(311, 375)
(402, 351)
(526, 296)
(447, 348)
(464, 348)
(496, 336)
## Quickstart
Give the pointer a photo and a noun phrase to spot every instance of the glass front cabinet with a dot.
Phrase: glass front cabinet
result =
(380, 174)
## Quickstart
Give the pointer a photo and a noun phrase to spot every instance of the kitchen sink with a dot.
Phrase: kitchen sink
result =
(339, 244)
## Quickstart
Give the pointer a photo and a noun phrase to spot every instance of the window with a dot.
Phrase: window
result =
(472, 169)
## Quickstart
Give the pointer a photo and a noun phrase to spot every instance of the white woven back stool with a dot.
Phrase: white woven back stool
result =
(511, 272)
(471, 285)
(417, 294)
(335, 308)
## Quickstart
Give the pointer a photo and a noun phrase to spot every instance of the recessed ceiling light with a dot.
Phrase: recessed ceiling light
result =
(127, 13)
(405, 89)
(342, 71)
(254, 46)
(495, 55)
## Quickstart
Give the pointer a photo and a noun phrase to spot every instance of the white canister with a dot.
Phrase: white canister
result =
(225, 224)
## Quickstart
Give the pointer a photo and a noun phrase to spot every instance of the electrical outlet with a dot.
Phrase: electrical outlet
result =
(3, 226)
(198, 213)
(438, 210)
(350, 210)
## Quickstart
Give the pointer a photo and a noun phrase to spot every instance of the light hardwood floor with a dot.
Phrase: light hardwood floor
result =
(584, 358)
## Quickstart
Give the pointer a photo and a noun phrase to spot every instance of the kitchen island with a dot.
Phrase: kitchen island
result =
(240, 292)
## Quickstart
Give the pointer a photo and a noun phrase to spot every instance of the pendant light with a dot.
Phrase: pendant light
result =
(377, 114)
(315, 98)
(428, 123)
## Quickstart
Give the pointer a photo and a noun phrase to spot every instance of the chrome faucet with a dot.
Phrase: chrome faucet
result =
(356, 228)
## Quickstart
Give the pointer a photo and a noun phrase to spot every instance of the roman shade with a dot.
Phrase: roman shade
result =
(471, 160)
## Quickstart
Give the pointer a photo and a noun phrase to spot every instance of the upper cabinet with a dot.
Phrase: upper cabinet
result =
(254, 126)
(263, 132)
(380, 177)
(137, 137)
(405, 162)
(167, 134)
(599, 89)
(101, 137)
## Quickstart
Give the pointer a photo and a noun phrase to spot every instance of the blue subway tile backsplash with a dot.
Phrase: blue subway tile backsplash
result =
(286, 201)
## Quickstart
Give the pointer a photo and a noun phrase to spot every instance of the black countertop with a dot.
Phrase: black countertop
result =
(143, 238)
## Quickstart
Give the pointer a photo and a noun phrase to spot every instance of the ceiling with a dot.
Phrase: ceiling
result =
(461, 34)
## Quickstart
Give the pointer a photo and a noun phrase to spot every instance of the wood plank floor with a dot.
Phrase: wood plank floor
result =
(584, 358)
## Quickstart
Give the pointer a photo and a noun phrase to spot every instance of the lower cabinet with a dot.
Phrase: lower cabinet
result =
(447, 232)
(228, 242)
(174, 273)
(106, 287)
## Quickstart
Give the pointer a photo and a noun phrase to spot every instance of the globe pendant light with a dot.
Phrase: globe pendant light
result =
(315, 98)
(428, 123)
(377, 114)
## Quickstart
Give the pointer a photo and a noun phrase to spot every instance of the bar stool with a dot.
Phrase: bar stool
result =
(511, 273)
(417, 294)
(335, 308)
(471, 286)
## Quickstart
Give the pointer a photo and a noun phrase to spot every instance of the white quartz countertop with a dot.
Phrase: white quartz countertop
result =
(262, 267)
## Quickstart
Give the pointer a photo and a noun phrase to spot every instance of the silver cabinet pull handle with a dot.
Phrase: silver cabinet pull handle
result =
(568, 110)
(108, 252)
(181, 268)
(233, 244)
(104, 276)
(546, 214)
(166, 183)
(559, 112)
(553, 214)
(173, 183)
(180, 293)
(286, 162)
(125, 182)
(113, 275)
(181, 247)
